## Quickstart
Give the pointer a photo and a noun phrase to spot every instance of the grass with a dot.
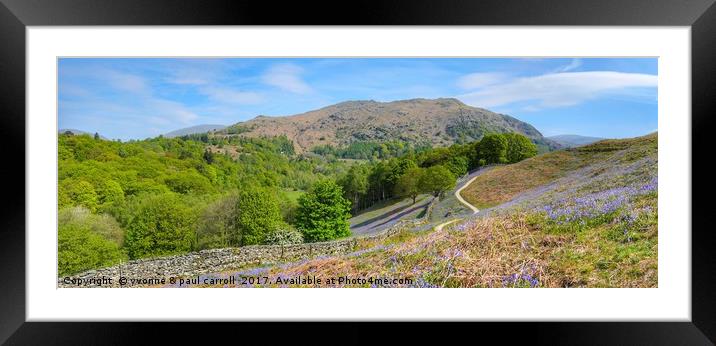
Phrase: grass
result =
(383, 208)
(504, 183)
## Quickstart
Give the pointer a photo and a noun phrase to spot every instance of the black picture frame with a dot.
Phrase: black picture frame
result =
(15, 15)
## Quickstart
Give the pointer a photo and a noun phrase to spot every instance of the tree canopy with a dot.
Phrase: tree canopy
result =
(259, 215)
(436, 180)
(409, 184)
(162, 225)
(323, 212)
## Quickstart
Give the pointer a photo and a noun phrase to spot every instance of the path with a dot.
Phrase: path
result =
(459, 198)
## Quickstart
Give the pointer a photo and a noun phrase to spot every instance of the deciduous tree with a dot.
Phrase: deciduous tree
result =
(437, 180)
(493, 148)
(259, 214)
(519, 147)
(162, 225)
(409, 183)
(323, 212)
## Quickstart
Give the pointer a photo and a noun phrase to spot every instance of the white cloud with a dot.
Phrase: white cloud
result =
(286, 77)
(231, 96)
(575, 63)
(169, 110)
(190, 76)
(133, 100)
(559, 89)
(479, 80)
(125, 82)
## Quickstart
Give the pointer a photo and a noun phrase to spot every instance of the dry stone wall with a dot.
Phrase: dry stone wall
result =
(218, 260)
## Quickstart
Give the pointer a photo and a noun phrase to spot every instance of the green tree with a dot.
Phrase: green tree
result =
(355, 185)
(82, 193)
(493, 148)
(162, 225)
(80, 249)
(110, 193)
(408, 184)
(437, 180)
(323, 213)
(188, 182)
(259, 215)
(457, 165)
(218, 225)
(519, 147)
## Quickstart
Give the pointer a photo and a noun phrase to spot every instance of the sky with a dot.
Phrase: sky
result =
(137, 98)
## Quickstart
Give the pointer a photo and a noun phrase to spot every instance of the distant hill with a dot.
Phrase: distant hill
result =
(571, 141)
(78, 132)
(439, 122)
(194, 129)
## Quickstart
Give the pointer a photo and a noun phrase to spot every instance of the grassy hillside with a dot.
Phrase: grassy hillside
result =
(504, 183)
(590, 219)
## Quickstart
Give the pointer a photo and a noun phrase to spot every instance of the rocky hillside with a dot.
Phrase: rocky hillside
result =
(439, 122)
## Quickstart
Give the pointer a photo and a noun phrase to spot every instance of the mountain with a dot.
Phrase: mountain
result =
(571, 141)
(78, 132)
(439, 122)
(194, 129)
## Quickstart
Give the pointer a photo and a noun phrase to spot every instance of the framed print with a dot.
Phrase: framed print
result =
(530, 165)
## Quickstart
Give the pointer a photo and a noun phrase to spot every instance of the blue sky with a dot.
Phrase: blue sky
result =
(130, 98)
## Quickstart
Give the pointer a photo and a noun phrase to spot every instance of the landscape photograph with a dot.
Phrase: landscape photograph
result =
(357, 172)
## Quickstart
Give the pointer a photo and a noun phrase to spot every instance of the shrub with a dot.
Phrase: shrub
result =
(161, 225)
(102, 224)
(284, 236)
(80, 249)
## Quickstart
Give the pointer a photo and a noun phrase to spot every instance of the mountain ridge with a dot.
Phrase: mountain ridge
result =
(570, 140)
(203, 128)
(438, 122)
